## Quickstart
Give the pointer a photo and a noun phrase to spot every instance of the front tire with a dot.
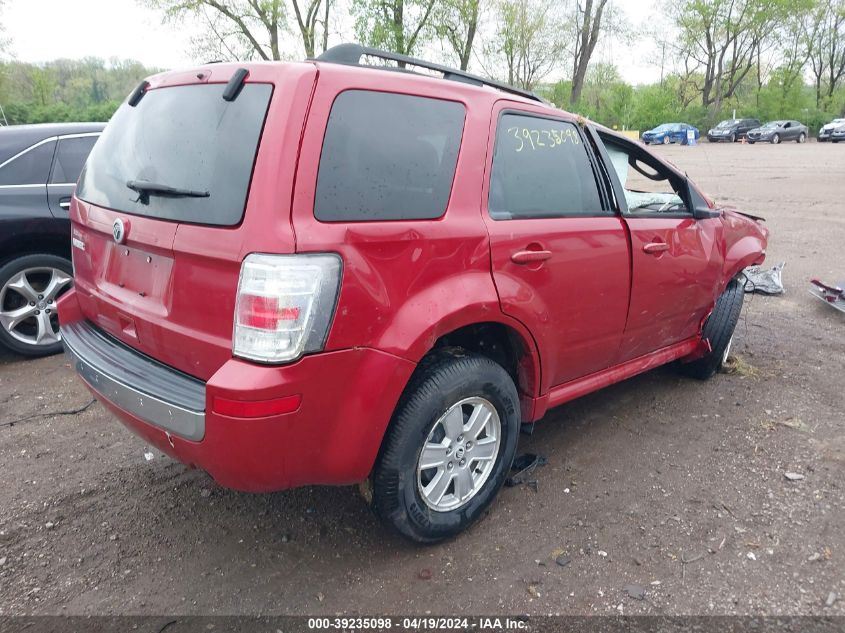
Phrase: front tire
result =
(776, 139)
(29, 289)
(733, 138)
(449, 446)
(666, 140)
(719, 331)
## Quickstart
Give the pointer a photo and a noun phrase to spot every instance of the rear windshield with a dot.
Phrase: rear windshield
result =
(188, 138)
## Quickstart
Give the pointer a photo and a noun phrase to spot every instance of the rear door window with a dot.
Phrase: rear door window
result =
(186, 137)
(70, 157)
(541, 169)
(387, 156)
(29, 168)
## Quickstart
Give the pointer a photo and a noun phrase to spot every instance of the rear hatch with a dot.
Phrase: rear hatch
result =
(179, 189)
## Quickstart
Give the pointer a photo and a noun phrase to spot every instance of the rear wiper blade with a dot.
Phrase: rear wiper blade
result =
(145, 188)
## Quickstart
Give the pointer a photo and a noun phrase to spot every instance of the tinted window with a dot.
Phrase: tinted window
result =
(541, 169)
(31, 168)
(187, 137)
(70, 157)
(387, 157)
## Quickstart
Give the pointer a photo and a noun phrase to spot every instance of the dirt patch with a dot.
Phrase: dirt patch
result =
(661, 494)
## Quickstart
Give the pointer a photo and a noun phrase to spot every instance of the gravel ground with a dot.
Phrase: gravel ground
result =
(662, 495)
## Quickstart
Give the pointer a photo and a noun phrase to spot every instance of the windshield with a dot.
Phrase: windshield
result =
(183, 154)
(773, 124)
(728, 123)
(662, 128)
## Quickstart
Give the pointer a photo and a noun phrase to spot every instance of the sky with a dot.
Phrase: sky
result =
(51, 29)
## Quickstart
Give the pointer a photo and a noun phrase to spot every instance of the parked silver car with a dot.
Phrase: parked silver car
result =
(776, 131)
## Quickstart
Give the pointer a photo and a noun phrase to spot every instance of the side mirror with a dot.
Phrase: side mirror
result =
(697, 204)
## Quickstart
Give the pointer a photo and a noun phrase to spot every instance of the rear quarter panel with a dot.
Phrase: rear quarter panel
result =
(405, 282)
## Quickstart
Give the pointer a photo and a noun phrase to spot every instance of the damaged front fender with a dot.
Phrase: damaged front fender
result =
(745, 243)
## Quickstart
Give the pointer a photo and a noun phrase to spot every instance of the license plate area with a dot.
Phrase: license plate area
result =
(137, 272)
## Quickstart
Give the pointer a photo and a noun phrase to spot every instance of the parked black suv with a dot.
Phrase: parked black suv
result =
(39, 167)
(731, 130)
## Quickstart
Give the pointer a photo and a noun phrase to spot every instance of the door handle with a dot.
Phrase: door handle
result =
(529, 257)
(653, 248)
(64, 203)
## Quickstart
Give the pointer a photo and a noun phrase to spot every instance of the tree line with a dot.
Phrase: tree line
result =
(764, 58)
(66, 90)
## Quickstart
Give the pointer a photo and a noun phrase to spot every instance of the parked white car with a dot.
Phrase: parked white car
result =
(826, 131)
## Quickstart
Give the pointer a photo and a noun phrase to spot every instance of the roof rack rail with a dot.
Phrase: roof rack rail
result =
(351, 54)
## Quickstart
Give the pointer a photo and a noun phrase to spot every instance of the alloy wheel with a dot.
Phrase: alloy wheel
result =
(459, 454)
(28, 305)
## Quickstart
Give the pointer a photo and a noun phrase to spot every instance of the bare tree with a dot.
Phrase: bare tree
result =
(399, 25)
(826, 47)
(527, 42)
(588, 22)
(720, 41)
(254, 27)
(457, 24)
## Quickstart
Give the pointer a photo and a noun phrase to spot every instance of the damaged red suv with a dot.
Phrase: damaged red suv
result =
(327, 273)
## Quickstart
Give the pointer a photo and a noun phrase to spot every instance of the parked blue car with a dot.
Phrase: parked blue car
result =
(669, 133)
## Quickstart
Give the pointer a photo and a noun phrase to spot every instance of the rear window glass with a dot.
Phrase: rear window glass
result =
(70, 157)
(541, 170)
(31, 168)
(387, 157)
(185, 137)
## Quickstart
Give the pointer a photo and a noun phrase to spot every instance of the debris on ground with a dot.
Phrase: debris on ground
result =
(424, 574)
(739, 366)
(793, 476)
(637, 592)
(765, 281)
(524, 466)
(831, 598)
(563, 560)
(794, 423)
(531, 586)
(831, 295)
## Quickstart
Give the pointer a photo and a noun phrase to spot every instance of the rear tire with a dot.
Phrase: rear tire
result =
(447, 390)
(29, 288)
(801, 138)
(718, 330)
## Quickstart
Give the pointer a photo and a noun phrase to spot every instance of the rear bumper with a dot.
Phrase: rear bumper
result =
(145, 389)
(347, 399)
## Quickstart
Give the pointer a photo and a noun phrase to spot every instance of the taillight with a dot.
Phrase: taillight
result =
(285, 305)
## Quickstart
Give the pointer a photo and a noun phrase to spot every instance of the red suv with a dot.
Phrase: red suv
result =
(327, 273)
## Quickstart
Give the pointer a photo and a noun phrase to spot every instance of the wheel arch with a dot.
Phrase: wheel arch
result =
(503, 341)
(31, 237)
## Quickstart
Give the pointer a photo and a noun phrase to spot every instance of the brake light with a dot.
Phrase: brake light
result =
(285, 305)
